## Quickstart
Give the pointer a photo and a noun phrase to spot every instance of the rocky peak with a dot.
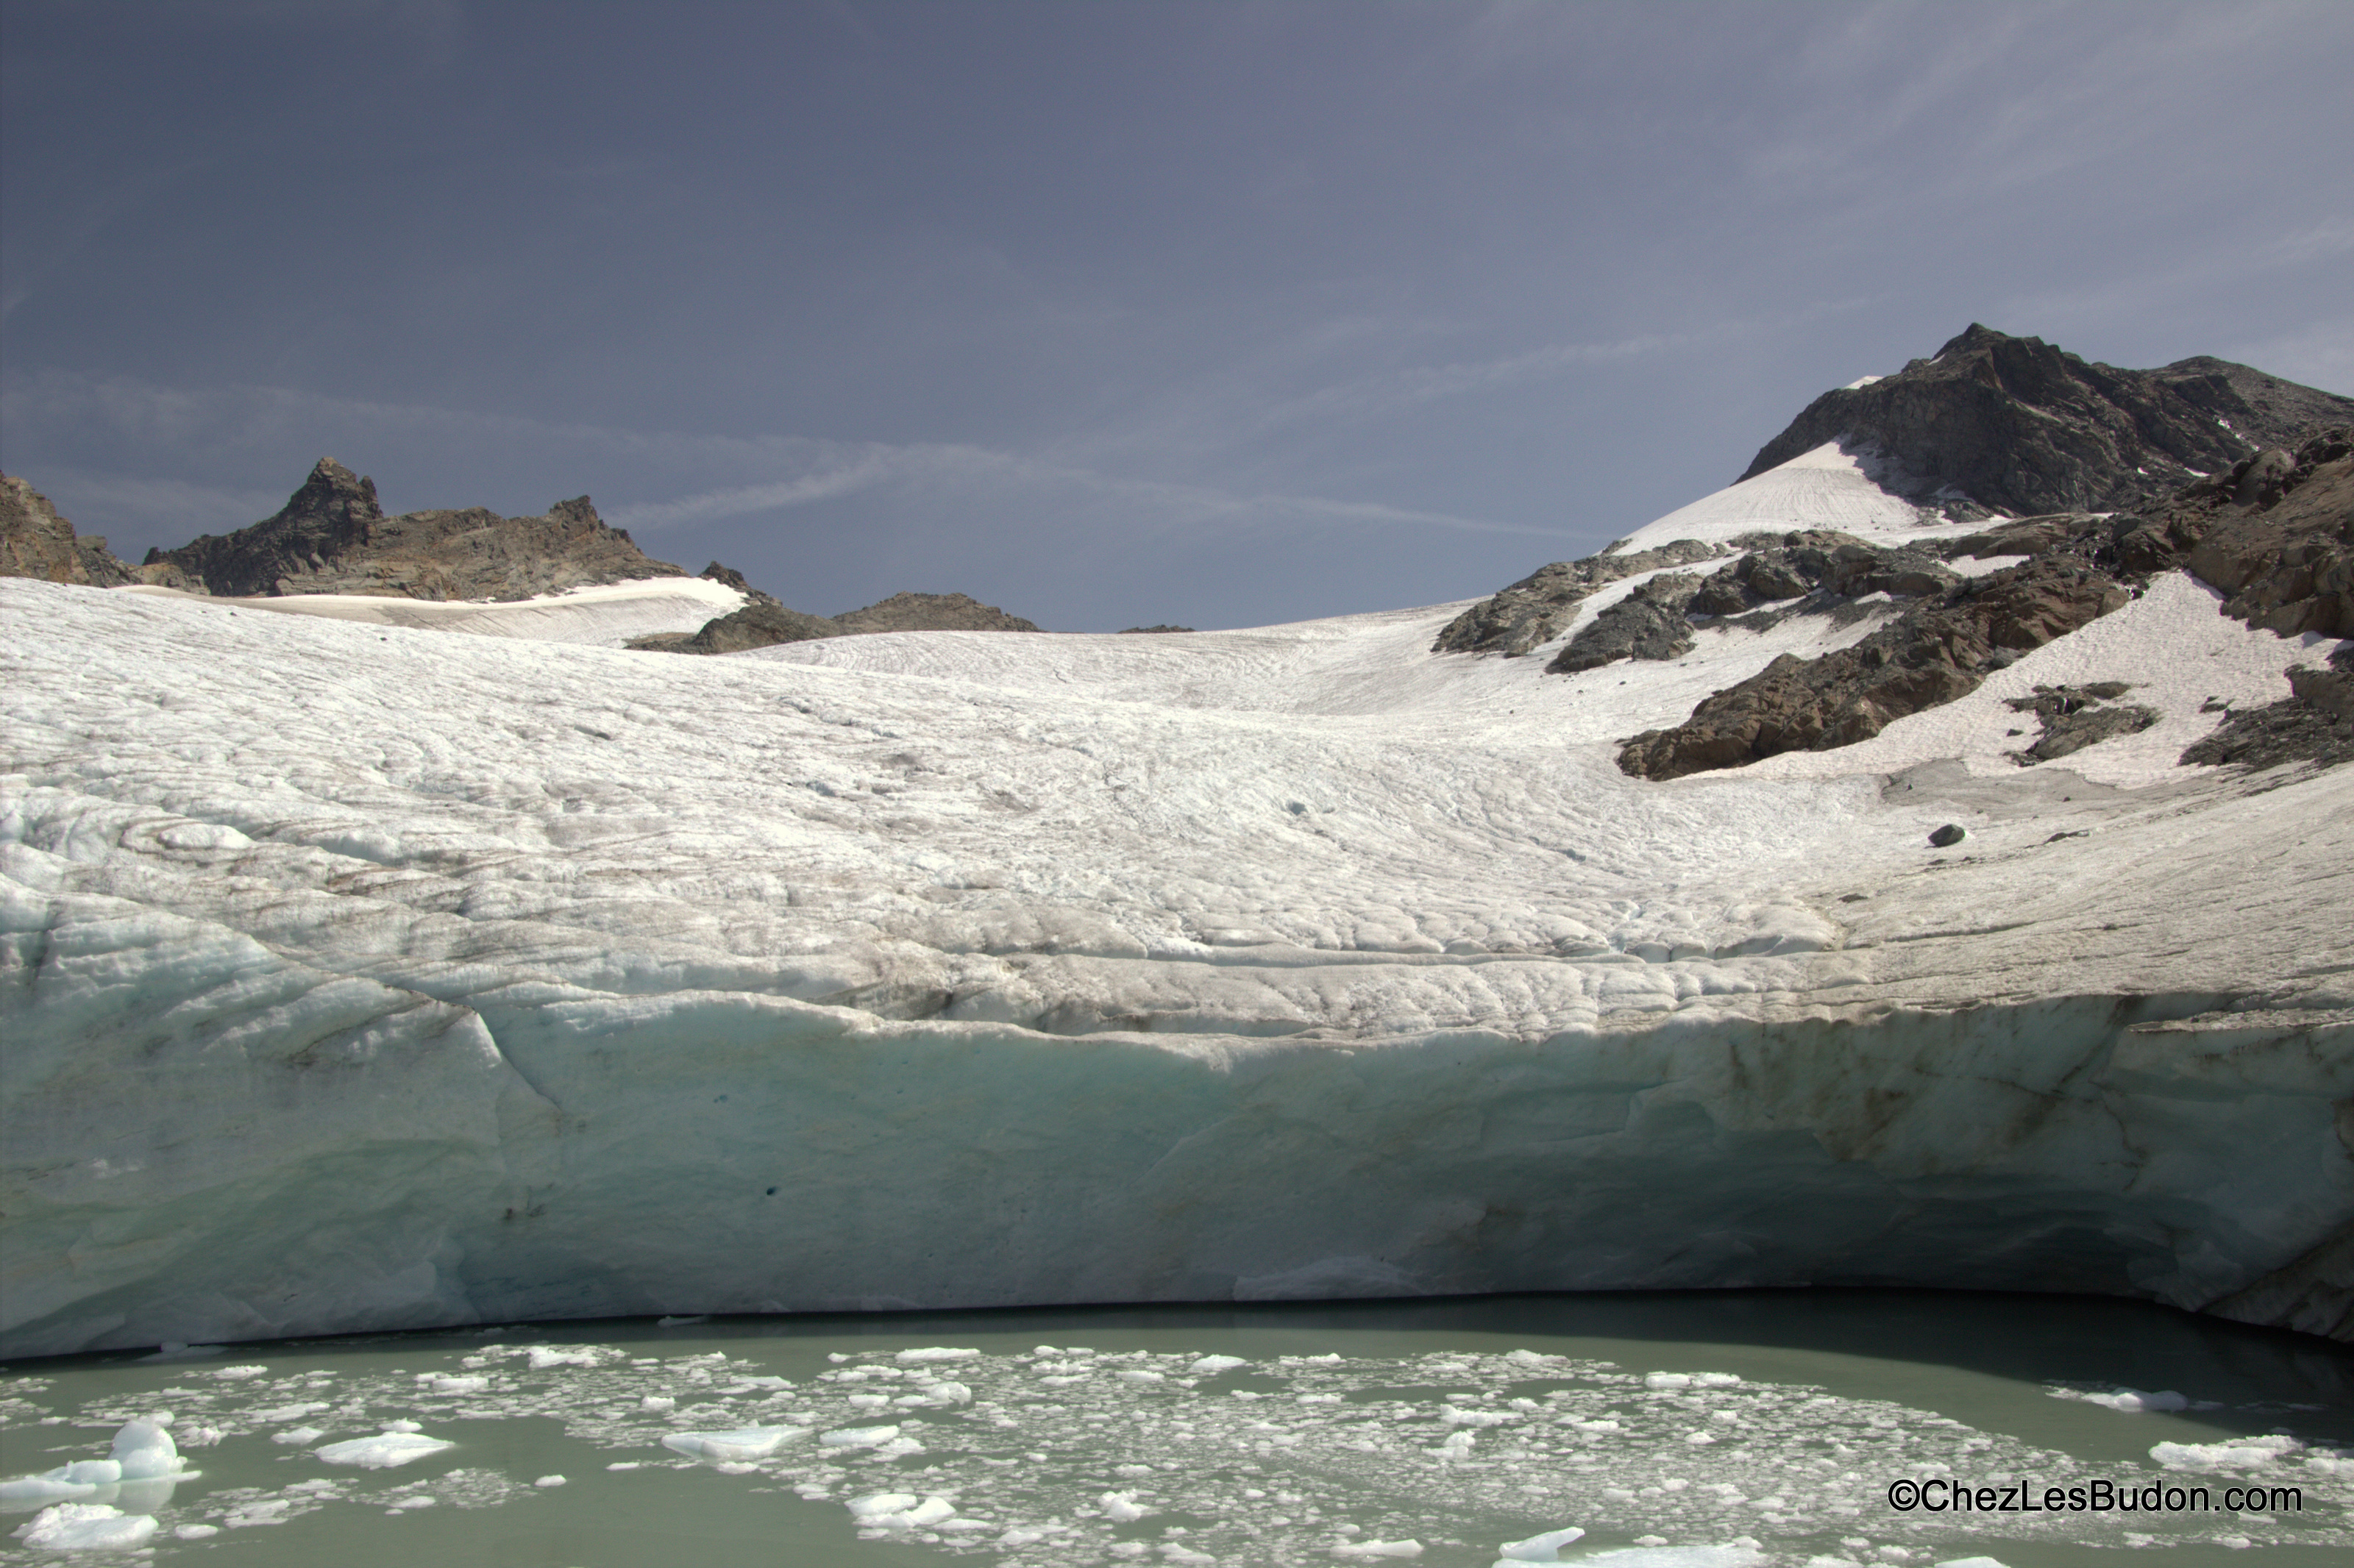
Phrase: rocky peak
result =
(34, 542)
(1996, 424)
(332, 537)
(333, 495)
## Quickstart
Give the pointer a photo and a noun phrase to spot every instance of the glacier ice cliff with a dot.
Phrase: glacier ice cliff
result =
(362, 977)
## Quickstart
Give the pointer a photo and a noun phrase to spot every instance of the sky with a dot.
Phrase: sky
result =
(1108, 313)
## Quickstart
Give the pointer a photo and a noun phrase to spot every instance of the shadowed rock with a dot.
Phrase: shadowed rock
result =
(1651, 623)
(332, 537)
(1938, 649)
(765, 623)
(1534, 610)
(2073, 717)
(2015, 425)
(2314, 722)
(34, 542)
(932, 613)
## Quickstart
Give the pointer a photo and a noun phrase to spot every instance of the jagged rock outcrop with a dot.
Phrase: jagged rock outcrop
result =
(34, 542)
(1142, 630)
(1534, 610)
(764, 623)
(1651, 623)
(1937, 651)
(2073, 717)
(728, 577)
(1824, 572)
(932, 613)
(2314, 722)
(2274, 531)
(333, 537)
(2015, 425)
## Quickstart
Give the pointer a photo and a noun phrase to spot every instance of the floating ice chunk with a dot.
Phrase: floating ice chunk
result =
(1378, 1549)
(858, 1437)
(947, 1392)
(546, 1481)
(745, 1443)
(384, 1451)
(238, 1374)
(2132, 1401)
(1970, 1563)
(195, 1532)
(1121, 1508)
(287, 1412)
(402, 1427)
(543, 1357)
(444, 1382)
(658, 1403)
(899, 1510)
(1667, 1380)
(1545, 1548)
(1456, 1415)
(298, 1436)
(1677, 1557)
(1176, 1552)
(1456, 1447)
(2234, 1453)
(934, 1353)
(86, 1527)
(1206, 1365)
(411, 1502)
(1138, 1375)
(78, 1479)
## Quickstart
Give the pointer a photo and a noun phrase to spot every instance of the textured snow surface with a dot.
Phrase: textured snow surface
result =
(608, 613)
(1825, 488)
(362, 976)
(1060, 1460)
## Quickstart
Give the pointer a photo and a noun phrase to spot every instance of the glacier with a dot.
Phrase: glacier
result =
(361, 976)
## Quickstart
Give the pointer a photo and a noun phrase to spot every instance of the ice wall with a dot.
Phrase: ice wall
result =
(357, 978)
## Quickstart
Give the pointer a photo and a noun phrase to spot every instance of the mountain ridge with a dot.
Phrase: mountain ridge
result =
(332, 537)
(1994, 424)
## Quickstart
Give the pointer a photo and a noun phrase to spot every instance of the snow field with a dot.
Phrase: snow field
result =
(606, 614)
(1059, 1455)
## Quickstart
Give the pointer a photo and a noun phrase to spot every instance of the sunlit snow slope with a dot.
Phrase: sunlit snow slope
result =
(363, 976)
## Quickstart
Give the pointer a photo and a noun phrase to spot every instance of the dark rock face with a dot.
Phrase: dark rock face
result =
(1143, 630)
(2014, 425)
(333, 537)
(2073, 717)
(2313, 724)
(1948, 836)
(1938, 650)
(2274, 531)
(1651, 623)
(728, 577)
(1535, 609)
(932, 613)
(1812, 572)
(2282, 545)
(34, 542)
(764, 623)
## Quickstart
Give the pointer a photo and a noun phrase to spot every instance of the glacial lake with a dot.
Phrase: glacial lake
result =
(1711, 1430)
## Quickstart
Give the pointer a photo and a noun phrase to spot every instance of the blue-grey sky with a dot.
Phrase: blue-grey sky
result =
(1107, 312)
